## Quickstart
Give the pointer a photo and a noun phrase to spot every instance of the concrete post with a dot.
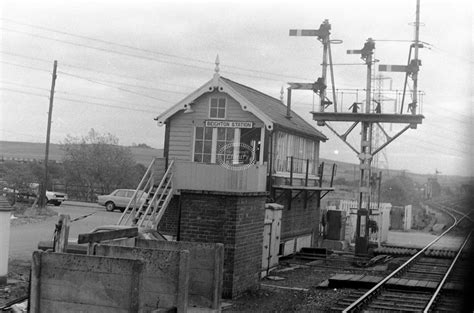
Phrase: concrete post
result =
(5, 211)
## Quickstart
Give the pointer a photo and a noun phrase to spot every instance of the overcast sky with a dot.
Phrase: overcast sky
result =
(121, 63)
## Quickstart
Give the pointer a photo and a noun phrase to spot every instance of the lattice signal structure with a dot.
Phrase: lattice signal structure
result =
(364, 115)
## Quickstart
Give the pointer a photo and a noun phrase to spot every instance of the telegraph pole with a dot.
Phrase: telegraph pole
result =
(42, 200)
(416, 61)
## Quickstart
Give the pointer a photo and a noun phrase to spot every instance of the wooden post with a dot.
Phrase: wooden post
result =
(306, 184)
(290, 191)
(321, 174)
(48, 133)
(34, 303)
(307, 173)
(291, 171)
(333, 172)
(62, 234)
(270, 170)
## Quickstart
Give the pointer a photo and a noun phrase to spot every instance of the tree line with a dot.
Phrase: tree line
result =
(94, 162)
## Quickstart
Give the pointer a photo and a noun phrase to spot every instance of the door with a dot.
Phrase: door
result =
(121, 198)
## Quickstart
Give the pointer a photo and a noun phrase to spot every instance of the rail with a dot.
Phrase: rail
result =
(443, 281)
(374, 290)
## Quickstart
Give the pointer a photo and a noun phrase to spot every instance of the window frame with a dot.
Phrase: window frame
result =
(214, 143)
(225, 108)
(302, 148)
(203, 140)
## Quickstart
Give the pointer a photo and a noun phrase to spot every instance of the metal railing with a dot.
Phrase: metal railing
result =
(146, 184)
(155, 207)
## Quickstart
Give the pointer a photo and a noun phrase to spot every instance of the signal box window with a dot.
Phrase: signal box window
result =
(203, 145)
(217, 108)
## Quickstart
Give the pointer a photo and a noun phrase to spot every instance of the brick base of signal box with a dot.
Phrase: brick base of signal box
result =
(235, 219)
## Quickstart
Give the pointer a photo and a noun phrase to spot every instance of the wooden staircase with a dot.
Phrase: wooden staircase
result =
(146, 211)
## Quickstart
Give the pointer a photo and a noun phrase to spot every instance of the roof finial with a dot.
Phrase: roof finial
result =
(282, 93)
(217, 64)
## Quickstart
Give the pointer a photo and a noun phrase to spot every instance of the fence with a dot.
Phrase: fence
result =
(379, 213)
(84, 192)
(297, 165)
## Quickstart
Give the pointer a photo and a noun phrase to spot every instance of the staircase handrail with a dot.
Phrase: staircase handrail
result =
(156, 192)
(156, 216)
(135, 210)
(136, 190)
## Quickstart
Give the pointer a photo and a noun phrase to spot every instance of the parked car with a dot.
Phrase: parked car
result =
(55, 197)
(29, 195)
(120, 198)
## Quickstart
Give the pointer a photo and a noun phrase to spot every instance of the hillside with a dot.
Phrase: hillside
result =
(35, 151)
(349, 171)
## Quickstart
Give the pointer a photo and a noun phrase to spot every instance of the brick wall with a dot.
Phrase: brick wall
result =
(298, 220)
(237, 222)
(169, 221)
(234, 219)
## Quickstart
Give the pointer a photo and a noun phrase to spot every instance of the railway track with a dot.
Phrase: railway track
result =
(439, 282)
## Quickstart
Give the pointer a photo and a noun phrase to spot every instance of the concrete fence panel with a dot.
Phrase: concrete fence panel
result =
(165, 275)
(82, 283)
(206, 269)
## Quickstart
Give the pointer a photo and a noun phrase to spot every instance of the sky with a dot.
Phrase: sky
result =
(122, 63)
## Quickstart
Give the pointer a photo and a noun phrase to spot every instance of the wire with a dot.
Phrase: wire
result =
(93, 70)
(106, 105)
(156, 60)
(74, 94)
(26, 66)
(394, 40)
(133, 55)
(435, 145)
(79, 101)
(90, 80)
(143, 50)
(142, 87)
(22, 85)
(101, 98)
(111, 86)
(104, 50)
(450, 54)
(23, 92)
(105, 41)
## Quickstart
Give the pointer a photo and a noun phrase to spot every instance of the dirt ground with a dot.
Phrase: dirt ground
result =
(26, 214)
(305, 276)
(295, 288)
(17, 282)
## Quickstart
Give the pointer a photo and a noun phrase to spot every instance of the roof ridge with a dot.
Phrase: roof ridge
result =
(280, 102)
(264, 94)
